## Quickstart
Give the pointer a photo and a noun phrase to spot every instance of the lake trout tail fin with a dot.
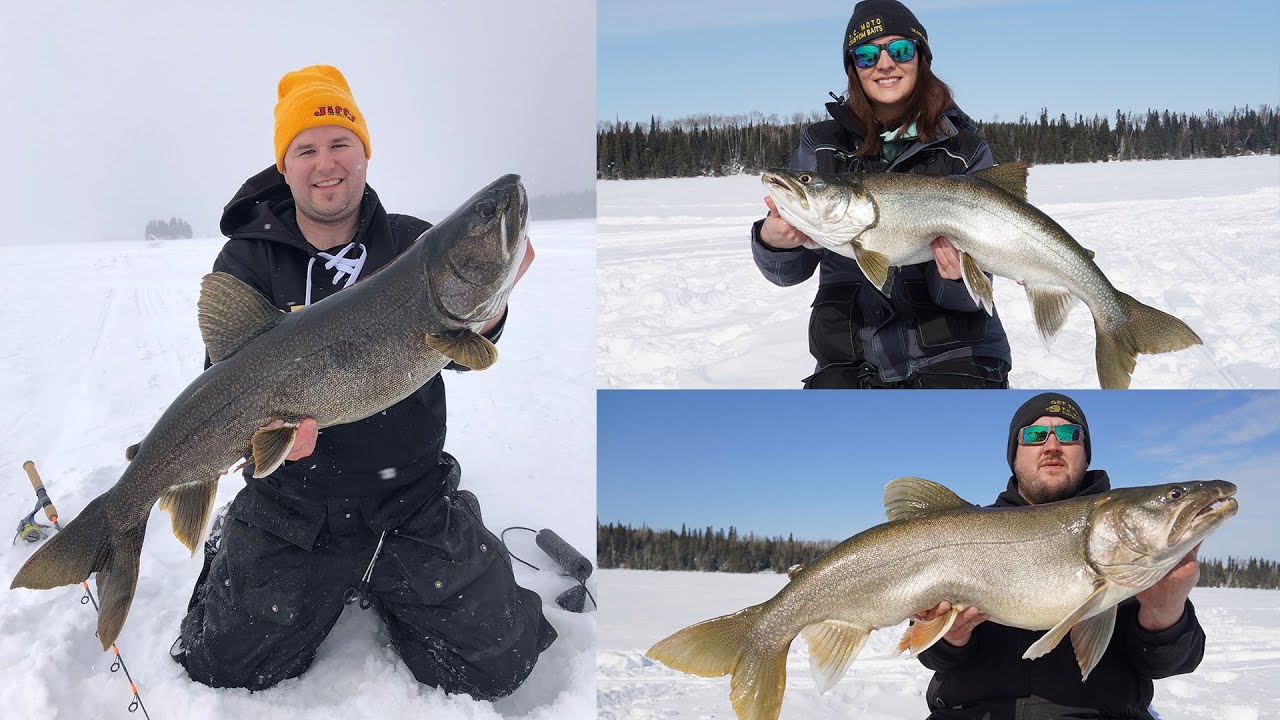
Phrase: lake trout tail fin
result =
(725, 646)
(83, 547)
(1146, 330)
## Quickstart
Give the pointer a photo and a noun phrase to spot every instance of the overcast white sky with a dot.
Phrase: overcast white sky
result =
(123, 112)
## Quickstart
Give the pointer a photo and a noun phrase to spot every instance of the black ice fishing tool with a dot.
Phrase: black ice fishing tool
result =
(28, 528)
(572, 562)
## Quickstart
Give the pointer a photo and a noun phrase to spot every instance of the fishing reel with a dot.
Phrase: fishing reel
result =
(28, 529)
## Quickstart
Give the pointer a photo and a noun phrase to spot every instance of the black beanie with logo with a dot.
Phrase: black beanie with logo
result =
(1047, 405)
(878, 18)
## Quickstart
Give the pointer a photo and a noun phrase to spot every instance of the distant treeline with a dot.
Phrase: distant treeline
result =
(708, 550)
(171, 229)
(563, 206)
(730, 145)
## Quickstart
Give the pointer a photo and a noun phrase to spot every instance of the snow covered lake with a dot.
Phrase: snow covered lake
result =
(681, 303)
(100, 337)
(1239, 678)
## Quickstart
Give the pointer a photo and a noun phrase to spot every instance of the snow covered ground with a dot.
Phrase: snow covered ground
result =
(1239, 678)
(681, 304)
(99, 338)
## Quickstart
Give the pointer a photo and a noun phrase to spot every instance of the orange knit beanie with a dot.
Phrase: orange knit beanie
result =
(311, 97)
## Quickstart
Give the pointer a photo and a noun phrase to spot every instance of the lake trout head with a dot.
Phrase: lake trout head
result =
(472, 256)
(1138, 534)
(828, 208)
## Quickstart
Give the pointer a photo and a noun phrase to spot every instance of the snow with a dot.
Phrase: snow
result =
(101, 337)
(681, 303)
(1238, 678)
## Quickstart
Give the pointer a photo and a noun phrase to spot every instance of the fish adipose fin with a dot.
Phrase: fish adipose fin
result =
(1050, 306)
(911, 497)
(1144, 330)
(231, 313)
(85, 546)
(977, 283)
(873, 264)
(1010, 177)
(132, 451)
(1050, 640)
(722, 646)
(271, 447)
(467, 348)
(833, 644)
(188, 506)
(920, 636)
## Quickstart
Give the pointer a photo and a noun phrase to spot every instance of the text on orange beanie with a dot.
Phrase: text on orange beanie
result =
(311, 97)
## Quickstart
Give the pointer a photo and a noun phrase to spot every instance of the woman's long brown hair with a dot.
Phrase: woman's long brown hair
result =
(930, 98)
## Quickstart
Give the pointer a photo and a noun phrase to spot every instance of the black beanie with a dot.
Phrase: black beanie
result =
(872, 18)
(1047, 405)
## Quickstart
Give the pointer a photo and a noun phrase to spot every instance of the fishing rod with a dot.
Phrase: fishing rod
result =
(33, 532)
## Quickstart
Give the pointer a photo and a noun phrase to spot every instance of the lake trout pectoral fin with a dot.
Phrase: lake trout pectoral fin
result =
(188, 505)
(873, 264)
(1050, 306)
(920, 636)
(467, 348)
(1010, 177)
(910, 497)
(977, 283)
(833, 645)
(271, 446)
(231, 313)
(1091, 638)
(132, 451)
(723, 646)
(1050, 640)
(1144, 330)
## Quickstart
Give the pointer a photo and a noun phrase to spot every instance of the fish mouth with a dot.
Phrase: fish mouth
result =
(1204, 517)
(790, 188)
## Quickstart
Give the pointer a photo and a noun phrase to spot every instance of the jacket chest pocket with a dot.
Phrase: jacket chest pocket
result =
(939, 327)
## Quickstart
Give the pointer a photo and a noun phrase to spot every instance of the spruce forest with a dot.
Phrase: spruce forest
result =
(622, 546)
(712, 145)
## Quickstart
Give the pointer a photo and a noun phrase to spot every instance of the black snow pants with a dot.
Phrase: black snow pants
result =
(442, 583)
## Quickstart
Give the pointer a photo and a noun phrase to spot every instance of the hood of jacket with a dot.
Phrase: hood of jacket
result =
(263, 208)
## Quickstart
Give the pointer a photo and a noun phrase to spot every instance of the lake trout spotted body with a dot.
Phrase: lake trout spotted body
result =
(340, 360)
(1061, 567)
(885, 220)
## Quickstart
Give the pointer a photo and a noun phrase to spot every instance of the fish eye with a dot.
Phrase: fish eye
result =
(805, 178)
(486, 209)
(1174, 494)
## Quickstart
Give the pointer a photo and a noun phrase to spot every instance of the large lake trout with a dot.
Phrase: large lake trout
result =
(342, 359)
(886, 220)
(1061, 567)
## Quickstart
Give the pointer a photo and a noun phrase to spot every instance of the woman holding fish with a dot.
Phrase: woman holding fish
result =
(927, 331)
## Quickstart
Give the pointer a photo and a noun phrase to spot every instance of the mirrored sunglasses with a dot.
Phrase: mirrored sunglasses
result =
(867, 55)
(1039, 434)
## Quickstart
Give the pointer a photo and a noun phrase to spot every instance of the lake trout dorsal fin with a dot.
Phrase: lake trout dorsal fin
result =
(911, 497)
(833, 644)
(1010, 177)
(231, 314)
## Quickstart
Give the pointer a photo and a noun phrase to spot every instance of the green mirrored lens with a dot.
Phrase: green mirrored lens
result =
(901, 50)
(1068, 433)
(865, 56)
(1035, 434)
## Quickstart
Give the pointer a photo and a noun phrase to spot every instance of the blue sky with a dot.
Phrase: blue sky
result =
(815, 463)
(1001, 57)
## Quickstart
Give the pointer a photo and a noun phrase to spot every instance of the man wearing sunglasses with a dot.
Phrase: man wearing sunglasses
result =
(978, 667)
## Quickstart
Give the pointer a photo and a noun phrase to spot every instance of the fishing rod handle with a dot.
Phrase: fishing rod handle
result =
(45, 502)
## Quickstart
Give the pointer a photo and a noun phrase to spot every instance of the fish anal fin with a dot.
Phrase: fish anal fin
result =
(1050, 640)
(909, 497)
(977, 283)
(231, 313)
(1010, 177)
(467, 348)
(833, 644)
(1050, 306)
(188, 506)
(874, 265)
(920, 636)
(1091, 638)
(271, 446)
(132, 451)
